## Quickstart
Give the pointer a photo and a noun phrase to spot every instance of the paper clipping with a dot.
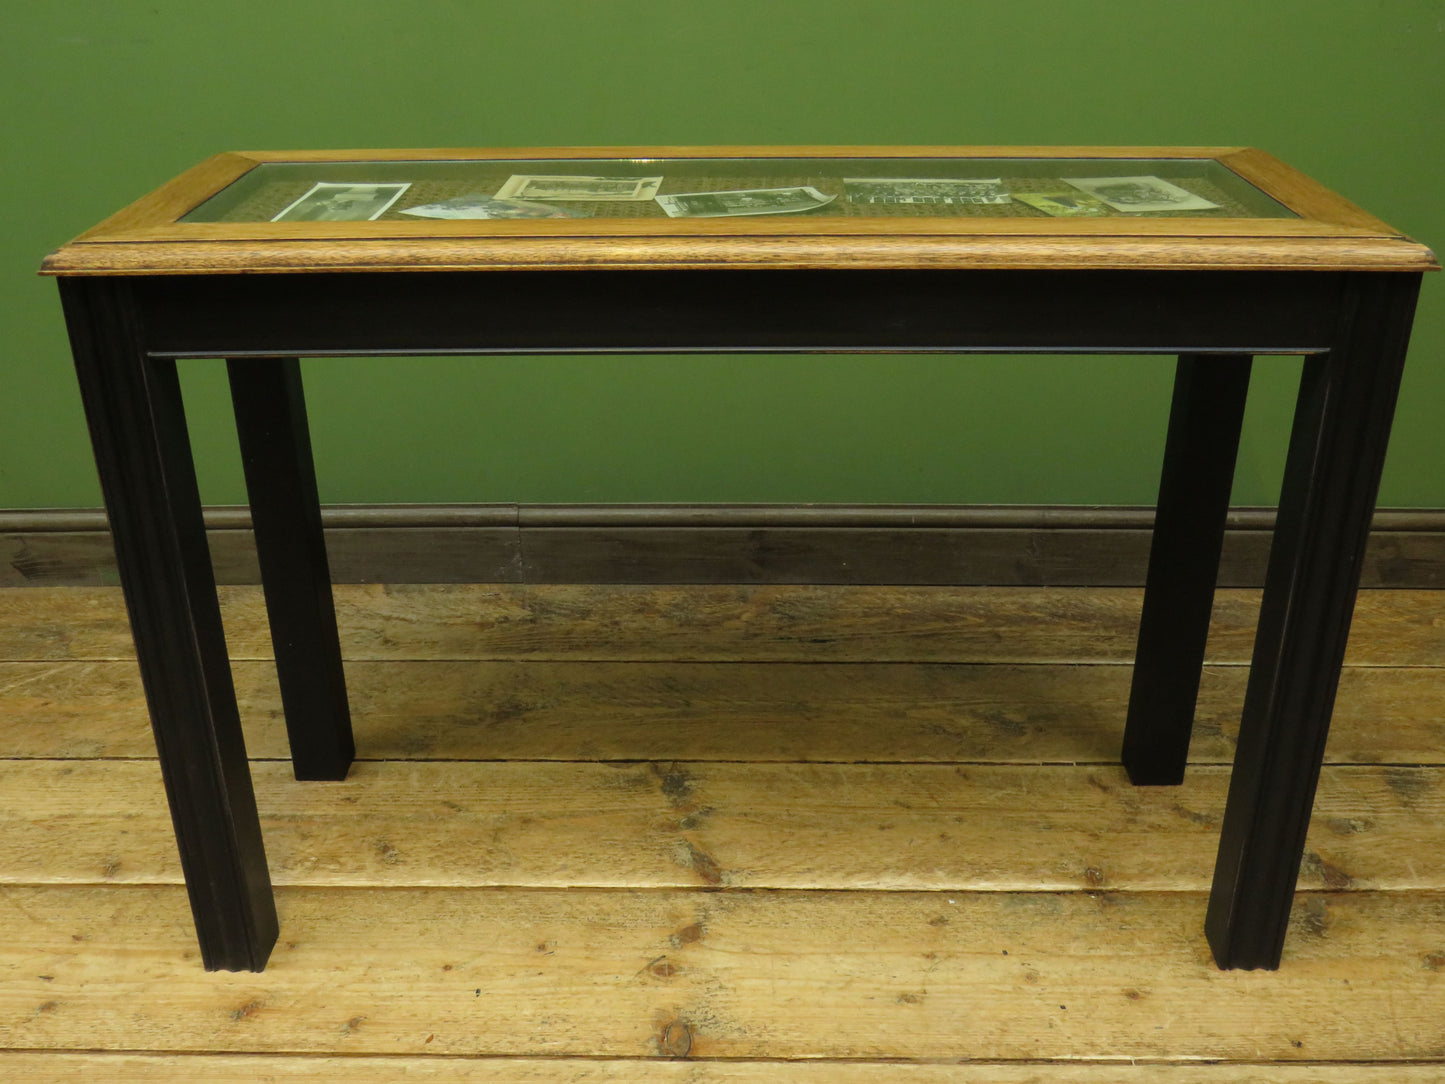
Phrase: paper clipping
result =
(529, 186)
(744, 201)
(486, 207)
(1141, 194)
(904, 190)
(330, 202)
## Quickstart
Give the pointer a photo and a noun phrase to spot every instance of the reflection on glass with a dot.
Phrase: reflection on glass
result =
(663, 187)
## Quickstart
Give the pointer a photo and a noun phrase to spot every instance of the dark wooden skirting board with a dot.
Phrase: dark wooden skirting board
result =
(675, 543)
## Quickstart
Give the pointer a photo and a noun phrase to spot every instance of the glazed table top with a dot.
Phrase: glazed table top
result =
(1212, 254)
(1148, 208)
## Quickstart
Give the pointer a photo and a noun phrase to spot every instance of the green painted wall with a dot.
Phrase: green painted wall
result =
(104, 99)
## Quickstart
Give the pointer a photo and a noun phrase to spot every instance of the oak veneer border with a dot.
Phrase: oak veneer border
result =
(1300, 193)
(224, 247)
(174, 198)
(189, 189)
(792, 253)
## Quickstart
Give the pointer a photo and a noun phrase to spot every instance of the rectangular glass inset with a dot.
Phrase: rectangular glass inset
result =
(851, 187)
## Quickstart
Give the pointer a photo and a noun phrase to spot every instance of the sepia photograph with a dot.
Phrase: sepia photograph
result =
(1141, 194)
(905, 190)
(330, 202)
(532, 186)
(744, 201)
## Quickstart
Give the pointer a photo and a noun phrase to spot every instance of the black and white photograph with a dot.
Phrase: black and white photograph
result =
(1141, 194)
(330, 202)
(535, 186)
(908, 190)
(744, 201)
(1063, 203)
(484, 207)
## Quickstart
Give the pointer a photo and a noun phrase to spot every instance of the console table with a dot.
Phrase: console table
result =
(1207, 255)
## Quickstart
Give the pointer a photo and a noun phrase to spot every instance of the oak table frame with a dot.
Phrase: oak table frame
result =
(1335, 285)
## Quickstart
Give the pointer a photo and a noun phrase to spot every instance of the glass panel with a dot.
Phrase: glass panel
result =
(726, 187)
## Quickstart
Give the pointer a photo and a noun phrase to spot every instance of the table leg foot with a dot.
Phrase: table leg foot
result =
(286, 514)
(1332, 474)
(1199, 456)
(138, 429)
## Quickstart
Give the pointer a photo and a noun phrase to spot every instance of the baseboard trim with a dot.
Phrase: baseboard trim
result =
(1002, 545)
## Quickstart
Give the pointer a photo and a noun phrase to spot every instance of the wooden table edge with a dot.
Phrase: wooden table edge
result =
(1143, 253)
(176, 197)
(167, 204)
(1299, 192)
(1340, 235)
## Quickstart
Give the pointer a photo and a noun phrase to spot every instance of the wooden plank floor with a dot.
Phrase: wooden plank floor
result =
(719, 834)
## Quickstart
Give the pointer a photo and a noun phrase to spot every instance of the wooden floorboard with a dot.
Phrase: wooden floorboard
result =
(875, 712)
(744, 974)
(719, 834)
(719, 624)
(678, 824)
(274, 1069)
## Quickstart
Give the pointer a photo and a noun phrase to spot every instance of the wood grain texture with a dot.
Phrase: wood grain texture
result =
(747, 712)
(356, 555)
(1301, 194)
(174, 198)
(163, 206)
(689, 969)
(911, 975)
(60, 1068)
(764, 623)
(1332, 234)
(753, 826)
(644, 544)
(989, 252)
(856, 555)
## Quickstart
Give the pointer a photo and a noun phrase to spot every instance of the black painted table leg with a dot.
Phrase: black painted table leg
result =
(286, 513)
(1337, 449)
(1199, 455)
(138, 429)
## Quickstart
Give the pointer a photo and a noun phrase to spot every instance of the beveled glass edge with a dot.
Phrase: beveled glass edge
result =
(733, 151)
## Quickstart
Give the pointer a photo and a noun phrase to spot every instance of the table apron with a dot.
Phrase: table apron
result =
(369, 313)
